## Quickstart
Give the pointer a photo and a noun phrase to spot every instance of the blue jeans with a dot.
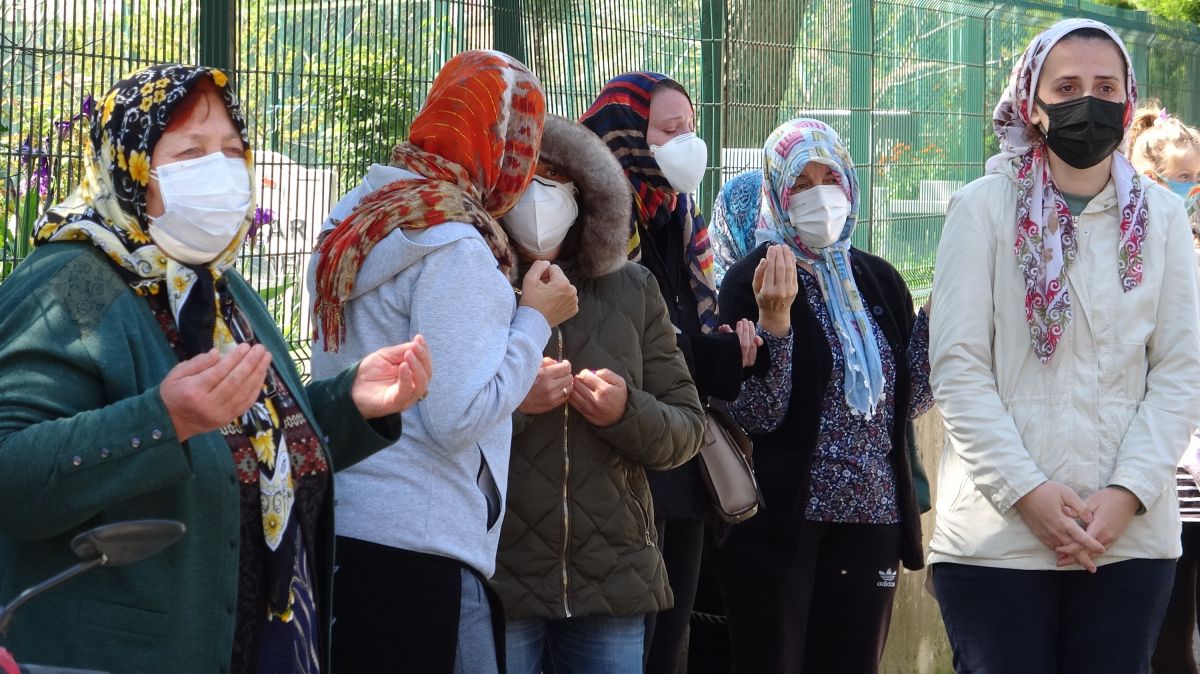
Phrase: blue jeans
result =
(588, 645)
(476, 652)
(1010, 621)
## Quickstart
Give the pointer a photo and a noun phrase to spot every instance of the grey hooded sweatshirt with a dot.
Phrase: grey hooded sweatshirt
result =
(441, 489)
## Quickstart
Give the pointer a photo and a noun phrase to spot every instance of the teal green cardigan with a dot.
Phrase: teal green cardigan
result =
(85, 440)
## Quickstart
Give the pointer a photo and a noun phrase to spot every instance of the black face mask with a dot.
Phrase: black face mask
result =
(1085, 130)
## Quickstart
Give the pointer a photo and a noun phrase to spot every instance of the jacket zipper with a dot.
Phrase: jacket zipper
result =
(566, 510)
(645, 518)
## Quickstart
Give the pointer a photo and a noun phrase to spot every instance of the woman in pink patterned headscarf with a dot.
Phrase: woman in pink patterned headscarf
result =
(1065, 359)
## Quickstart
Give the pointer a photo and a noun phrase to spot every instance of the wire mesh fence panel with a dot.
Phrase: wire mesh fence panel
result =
(927, 126)
(330, 86)
(57, 59)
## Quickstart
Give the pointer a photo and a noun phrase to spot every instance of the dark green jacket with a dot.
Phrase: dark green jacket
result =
(85, 440)
(579, 537)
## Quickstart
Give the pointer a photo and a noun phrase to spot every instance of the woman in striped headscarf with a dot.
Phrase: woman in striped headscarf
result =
(809, 582)
(648, 122)
(417, 248)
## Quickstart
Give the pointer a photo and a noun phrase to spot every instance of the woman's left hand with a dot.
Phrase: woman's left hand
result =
(392, 379)
(748, 339)
(1113, 509)
(600, 396)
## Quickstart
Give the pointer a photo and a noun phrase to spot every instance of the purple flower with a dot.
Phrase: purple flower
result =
(89, 105)
(64, 127)
(26, 151)
(262, 216)
(43, 176)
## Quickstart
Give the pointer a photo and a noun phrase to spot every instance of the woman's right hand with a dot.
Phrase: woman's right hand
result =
(206, 392)
(552, 387)
(748, 339)
(1047, 511)
(775, 287)
(547, 289)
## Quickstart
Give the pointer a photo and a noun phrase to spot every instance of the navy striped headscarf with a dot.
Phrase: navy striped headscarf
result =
(620, 116)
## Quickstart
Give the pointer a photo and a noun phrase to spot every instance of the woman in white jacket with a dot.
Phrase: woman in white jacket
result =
(1065, 358)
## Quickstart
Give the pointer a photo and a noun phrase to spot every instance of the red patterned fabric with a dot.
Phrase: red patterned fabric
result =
(474, 145)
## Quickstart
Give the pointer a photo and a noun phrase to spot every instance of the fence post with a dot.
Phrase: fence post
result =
(974, 52)
(712, 107)
(862, 88)
(508, 34)
(217, 33)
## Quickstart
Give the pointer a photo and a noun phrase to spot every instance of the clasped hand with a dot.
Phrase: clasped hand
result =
(599, 395)
(208, 391)
(1079, 531)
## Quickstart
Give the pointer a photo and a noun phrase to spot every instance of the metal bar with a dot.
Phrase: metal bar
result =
(216, 24)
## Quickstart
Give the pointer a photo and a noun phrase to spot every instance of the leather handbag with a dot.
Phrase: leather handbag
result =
(726, 462)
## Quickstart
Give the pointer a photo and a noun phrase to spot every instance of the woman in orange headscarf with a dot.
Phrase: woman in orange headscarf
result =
(416, 247)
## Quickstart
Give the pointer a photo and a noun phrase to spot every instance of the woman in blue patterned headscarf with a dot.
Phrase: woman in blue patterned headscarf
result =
(789, 151)
(734, 219)
(809, 582)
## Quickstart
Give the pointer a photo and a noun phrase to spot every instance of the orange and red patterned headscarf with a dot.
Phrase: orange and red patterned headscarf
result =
(474, 146)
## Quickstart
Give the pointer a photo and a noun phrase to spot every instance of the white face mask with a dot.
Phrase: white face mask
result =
(682, 161)
(543, 216)
(818, 215)
(204, 203)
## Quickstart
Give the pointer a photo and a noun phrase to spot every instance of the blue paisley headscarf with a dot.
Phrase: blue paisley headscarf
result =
(734, 219)
(788, 150)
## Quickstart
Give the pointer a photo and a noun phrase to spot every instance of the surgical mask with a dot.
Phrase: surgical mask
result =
(543, 216)
(1183, 189)
(818, 215)
(205, 201)
(1084, 131)
(682, 160)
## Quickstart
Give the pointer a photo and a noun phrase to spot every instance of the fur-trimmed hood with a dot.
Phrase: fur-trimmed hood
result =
(602, 242)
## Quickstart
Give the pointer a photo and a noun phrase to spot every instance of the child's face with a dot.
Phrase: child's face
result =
(1186, 169)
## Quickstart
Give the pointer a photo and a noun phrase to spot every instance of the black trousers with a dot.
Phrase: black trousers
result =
(681, 542)
(1173, 653)
(708, 639)
(828, 613)
(398, 611)
(1014, 621)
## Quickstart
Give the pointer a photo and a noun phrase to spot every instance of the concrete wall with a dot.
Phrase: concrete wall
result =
(917, 641)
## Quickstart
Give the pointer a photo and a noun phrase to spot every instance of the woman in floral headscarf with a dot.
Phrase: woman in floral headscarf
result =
(734, 219)
(140, 376)
(416, 248)
(648, 122)
(809, 581)
(1066, 364)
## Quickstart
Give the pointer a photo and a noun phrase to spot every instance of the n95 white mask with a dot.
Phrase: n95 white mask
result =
(682, 161)
(818, 215)
(204, 203)
(543, 216)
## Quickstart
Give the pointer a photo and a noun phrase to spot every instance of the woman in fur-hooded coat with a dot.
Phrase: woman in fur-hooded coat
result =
(579, 538)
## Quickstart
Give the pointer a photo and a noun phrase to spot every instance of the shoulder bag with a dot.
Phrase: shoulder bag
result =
(726, 455)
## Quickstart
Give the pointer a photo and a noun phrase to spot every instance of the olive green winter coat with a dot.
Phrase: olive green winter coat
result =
(579, 536)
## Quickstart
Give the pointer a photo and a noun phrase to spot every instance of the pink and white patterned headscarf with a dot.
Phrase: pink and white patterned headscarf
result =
(1046, 243)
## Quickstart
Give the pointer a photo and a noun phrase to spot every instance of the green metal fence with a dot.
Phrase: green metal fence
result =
(330, 85)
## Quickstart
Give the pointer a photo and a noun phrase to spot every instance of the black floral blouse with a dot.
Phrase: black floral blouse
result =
(851, 477)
